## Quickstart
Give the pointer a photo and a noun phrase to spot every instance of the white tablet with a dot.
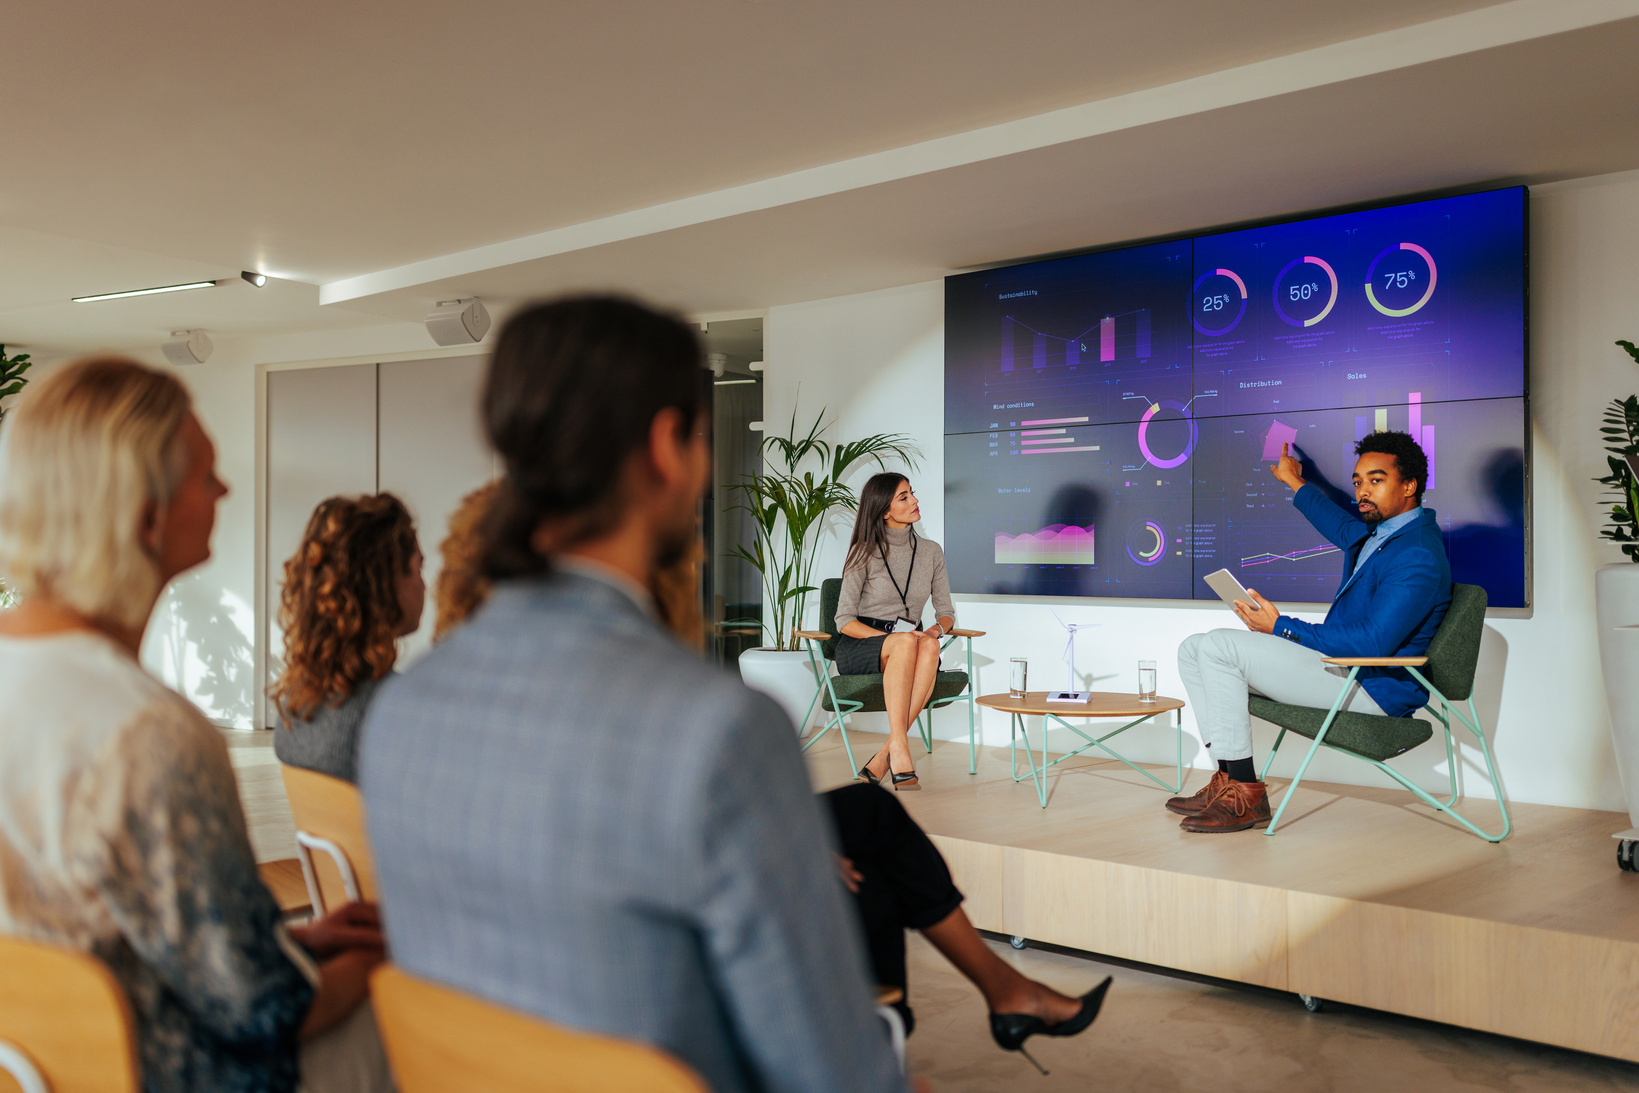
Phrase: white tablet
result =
(1228, 588)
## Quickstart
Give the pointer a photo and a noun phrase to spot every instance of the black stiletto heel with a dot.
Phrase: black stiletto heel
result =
(1011, 1030)
(904, 782)
(865, 771)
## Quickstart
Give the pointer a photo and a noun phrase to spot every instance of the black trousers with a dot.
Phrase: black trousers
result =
(907, 885)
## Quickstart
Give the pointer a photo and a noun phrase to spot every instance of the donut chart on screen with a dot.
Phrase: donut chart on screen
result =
(1144, 429)
(1216, 302)
(1147, 543)
(1306, 290)
(1145, 390)
(1401, 280)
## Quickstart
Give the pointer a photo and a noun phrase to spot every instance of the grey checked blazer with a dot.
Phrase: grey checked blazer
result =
(574, 816)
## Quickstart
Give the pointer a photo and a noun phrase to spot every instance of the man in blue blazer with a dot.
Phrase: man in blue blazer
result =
(1396, 589)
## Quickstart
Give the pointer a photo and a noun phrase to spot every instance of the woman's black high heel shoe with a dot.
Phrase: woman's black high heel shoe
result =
(865, 771)
(902, 782)
(1011, 1030)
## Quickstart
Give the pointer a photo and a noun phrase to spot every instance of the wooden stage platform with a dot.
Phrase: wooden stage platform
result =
(1365, 896)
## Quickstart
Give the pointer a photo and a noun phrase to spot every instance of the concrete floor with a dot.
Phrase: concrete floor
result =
(1162, 1032)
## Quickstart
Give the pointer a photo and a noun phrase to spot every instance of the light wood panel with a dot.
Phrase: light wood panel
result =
(1572, 989)
(284, 879)
(332, 809)
(1365, 896)
(67, 1013)
(441, 1040)
(1098, 704)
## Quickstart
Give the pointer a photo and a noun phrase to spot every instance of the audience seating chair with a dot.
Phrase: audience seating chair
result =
(842, 695)
(65, 1024)
(440, 1040)
(329, 815)
(1452, 658)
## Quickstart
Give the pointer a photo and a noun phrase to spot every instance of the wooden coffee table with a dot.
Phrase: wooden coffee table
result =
(1101, 704)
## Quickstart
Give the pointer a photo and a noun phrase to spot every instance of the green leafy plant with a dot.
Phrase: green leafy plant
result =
(11, 375)
(1621, 434)
(789, 506)
(11, 382)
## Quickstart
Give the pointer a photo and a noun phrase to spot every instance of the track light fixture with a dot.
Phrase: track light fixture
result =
(143, 292)
(257, 279)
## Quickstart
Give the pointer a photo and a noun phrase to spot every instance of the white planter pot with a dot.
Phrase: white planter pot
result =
(1616, 588)
(785, 677)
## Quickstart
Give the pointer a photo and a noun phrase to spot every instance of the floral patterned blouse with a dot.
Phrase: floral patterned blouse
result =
(121, 835)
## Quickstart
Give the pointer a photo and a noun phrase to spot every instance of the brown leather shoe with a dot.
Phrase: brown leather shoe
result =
(1194, 806)
(1240, 806)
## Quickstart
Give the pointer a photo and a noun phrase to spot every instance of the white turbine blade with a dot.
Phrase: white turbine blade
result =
(1062, 623)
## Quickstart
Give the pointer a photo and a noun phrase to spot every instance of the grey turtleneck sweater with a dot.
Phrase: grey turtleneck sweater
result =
(867, 589)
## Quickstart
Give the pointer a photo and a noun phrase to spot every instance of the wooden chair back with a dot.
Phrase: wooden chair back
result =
(65, 1024)
(440, 1040)
(331, 810)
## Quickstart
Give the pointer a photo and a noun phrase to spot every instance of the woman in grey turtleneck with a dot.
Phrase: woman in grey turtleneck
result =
(890, 575)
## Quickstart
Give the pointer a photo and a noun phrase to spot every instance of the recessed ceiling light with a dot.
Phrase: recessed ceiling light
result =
(143, 292)
(257, 279)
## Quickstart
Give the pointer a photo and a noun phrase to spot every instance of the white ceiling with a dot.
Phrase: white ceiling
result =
(729, 155)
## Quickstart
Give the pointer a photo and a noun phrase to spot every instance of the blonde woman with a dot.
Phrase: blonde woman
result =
(121, 832)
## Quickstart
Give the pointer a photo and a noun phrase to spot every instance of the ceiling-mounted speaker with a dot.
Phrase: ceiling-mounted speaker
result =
(458, 322)
(192, 347)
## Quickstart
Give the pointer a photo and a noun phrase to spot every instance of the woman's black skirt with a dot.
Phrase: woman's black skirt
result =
(862, 656)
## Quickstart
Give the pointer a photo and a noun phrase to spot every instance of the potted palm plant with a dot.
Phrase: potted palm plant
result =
(802, 486)
(11, 382)
(1617, 591)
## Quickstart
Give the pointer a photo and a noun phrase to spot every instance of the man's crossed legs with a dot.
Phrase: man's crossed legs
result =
(1220, 669)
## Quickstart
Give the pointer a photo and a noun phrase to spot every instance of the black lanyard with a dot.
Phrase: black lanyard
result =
(904, 593)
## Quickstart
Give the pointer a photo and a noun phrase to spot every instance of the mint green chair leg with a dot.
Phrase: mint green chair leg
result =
(972, 751)
(839, 709)
(1443, 713)
(1320, 738)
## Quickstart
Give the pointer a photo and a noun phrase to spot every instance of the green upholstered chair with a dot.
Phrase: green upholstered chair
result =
(1452, 658)
(841, 695)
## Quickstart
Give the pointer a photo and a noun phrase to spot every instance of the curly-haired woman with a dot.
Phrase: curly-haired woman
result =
(351, 590)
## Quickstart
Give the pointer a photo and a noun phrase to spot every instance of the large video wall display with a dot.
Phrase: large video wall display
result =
(1110, 418)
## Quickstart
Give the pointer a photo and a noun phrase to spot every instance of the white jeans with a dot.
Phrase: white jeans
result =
(346, 1058)
(1221, 668)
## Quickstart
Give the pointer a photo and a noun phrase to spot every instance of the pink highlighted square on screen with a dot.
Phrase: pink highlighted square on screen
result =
(1277, 435)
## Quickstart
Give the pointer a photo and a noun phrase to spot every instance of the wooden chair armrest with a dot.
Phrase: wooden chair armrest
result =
(1377, 662)
(959, 632)
(814, 635)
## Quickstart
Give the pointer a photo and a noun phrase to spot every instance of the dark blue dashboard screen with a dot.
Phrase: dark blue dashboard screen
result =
(1110, 418)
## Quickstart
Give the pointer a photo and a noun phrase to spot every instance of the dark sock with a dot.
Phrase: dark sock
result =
(1241, 770)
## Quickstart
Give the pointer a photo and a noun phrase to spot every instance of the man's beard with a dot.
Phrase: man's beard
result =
(1372, 516)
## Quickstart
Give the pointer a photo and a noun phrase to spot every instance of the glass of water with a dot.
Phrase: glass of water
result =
(1146, 681)
(1018, 677)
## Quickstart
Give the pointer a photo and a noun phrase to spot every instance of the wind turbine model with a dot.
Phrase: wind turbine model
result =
(1071, 694)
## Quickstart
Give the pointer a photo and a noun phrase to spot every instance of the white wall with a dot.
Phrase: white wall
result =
(877, 362)
(202, 638)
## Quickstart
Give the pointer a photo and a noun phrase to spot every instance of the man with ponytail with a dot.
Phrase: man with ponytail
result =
(571, 814)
